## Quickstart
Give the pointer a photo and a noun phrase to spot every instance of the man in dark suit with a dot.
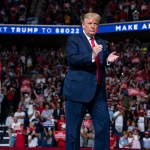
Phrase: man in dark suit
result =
(58, 112)
(84, 85)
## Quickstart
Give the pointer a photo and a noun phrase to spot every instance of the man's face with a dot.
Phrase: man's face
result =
(90, 26)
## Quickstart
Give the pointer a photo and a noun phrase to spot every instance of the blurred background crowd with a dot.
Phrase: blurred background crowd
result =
(32, 105)
(69, 12)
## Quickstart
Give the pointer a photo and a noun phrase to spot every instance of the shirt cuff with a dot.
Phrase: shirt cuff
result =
(93, 59)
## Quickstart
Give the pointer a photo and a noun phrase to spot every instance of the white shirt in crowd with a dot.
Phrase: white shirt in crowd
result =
(33, 142)
(15, 126)
(9, 121)
(146, 143)
(119, 119)
(141, 124)
(17, 114)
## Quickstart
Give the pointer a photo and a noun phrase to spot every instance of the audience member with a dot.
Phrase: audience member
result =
(15, 127)
(49, 139)
(146, 141)
(20, 115)
(123, 141)
(136, 140)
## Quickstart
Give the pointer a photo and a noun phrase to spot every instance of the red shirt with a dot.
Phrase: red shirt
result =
(61, 143)
(59, 124)
(40, 109)
(20, 140)
(113, 139)
(123, 15)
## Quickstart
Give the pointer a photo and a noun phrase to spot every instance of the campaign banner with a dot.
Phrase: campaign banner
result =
(142, 93)
(124, 85)
(133, 92)
(60, 135)
(49, 123)
(87, 123)
(73, 29)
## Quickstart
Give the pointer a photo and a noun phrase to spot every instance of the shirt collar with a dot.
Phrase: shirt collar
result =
(87, 36)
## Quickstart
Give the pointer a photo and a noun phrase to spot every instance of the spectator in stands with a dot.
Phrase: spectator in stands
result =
(141, 122)
(32, 111)
(136, 140)
(62, 142)
(130, 138)
(8, 123)
(15, 127)
(118, 119)
(21, 137)
(49, 139)
(87, 133)
(32, 138)
(123, 141)
(83, 136)
(46, 113)
(40, 107)
(38, 124)
(60, 122)
(133, 105)
(113, 139)
(146, 141)
(9, 119)
(67, 19)
(58, 111)
(123, 15)
(132, 126)
(10, 97)
(1, 97)
(109, 17)
(20, 115)
(111, 112)
(135, 15)
(25, 100)
(91, 137)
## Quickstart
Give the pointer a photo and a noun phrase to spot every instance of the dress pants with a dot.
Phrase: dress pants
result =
(75, 112)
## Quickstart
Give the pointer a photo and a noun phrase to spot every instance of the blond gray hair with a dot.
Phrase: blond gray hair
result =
(91, 15)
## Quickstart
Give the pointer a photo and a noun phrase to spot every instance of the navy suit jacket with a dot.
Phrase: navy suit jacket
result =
(80, 82)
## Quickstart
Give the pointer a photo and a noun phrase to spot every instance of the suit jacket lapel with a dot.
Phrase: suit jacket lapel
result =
(86, 42)
(88, 46)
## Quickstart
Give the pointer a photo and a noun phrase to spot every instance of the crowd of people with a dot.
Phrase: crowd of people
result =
(69, 12)
(33, 107)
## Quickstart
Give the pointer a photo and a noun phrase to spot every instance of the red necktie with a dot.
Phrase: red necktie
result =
(97, 63)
